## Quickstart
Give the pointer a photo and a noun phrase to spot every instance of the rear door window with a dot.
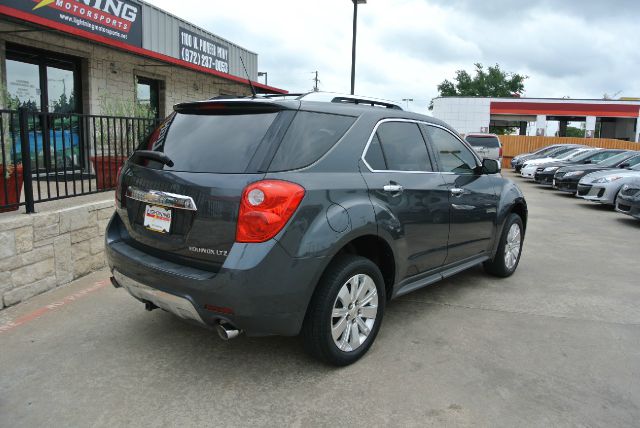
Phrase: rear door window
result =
(398, 146)
(309, 137)
(210, 143)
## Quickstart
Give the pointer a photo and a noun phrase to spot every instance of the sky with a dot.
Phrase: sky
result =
(405, 48)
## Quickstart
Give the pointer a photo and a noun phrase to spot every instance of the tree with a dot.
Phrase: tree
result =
(492, 82)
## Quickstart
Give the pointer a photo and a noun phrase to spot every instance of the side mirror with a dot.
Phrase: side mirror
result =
(490, 166)
(624, 165)
(587, 162)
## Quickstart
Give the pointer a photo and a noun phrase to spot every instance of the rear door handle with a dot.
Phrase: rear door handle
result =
(457, 192)
(393, 188)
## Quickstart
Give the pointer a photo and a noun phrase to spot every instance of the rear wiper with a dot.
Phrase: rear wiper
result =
(153, 155)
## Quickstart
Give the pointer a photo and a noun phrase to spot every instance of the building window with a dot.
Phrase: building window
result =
(42, 81)
(148, 96)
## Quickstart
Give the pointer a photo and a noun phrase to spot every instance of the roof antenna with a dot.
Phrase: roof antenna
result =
(253, 90)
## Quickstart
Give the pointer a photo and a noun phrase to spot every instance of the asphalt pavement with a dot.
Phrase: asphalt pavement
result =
(556, 344)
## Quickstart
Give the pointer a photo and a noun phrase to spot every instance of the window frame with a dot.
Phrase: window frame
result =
(434, 165)
(457, 137)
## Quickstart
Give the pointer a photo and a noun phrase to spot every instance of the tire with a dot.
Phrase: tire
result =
(333, 294)
(504, 264)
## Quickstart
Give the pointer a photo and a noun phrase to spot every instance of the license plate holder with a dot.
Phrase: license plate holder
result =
(157, 219)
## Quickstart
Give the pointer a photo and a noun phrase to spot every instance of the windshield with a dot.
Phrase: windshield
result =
(589, 154)
(615, 160)
(602, 155)
(634, 162)
(545, 150)
(570, 154)
(560, 151)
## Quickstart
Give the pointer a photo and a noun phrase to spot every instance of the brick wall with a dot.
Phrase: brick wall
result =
(111, 73)
(39, 252)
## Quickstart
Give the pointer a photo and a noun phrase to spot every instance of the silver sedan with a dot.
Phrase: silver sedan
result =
(603, 186)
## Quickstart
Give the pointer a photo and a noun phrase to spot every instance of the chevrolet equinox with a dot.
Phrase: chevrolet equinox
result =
(287, 217)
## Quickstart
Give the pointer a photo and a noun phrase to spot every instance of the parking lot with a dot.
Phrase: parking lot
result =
(556, 344)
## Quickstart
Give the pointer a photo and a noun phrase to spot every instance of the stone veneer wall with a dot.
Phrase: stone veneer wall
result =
(42, 251)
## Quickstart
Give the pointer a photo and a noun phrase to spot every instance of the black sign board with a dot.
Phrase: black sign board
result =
(120, 20)
(202, 51)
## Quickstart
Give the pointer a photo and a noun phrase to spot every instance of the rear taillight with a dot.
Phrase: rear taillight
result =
(265, 208)
(500, 153)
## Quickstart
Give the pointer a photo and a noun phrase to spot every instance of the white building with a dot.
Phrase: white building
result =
(602, 118)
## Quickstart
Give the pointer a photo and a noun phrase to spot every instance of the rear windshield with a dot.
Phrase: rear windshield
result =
(308, 138)
(491, 142)
(210, 143)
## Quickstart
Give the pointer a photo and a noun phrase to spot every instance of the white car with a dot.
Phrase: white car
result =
(603, 186)
(487, 146)
(529, 168)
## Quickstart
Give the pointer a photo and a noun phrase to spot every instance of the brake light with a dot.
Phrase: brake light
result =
(500, 153)
(265, 208)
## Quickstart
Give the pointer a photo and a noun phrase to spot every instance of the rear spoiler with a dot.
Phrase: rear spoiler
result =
(236, 106)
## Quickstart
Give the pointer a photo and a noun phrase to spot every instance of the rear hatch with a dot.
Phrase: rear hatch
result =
(186, 210)
(486, 146)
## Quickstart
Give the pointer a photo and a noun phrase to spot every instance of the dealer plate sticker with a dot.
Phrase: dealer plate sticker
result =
(157, 219)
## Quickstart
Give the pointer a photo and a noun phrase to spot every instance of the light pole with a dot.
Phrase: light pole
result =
(353, 42)
(407, 100)
(263, 73)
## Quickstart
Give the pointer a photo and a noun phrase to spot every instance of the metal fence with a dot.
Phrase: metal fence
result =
(49, 156)
(514, 145)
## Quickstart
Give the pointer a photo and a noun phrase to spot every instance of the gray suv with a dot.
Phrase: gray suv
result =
(287, 217)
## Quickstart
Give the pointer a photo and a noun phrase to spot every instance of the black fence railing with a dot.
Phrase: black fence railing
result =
(49, 156)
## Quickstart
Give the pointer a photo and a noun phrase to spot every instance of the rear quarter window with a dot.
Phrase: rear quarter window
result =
(308, 138)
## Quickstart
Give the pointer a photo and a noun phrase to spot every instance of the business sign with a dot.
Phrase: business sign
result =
(204, 52)
(116, 19)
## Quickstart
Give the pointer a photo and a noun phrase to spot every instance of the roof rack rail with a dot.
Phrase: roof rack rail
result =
(349, 99)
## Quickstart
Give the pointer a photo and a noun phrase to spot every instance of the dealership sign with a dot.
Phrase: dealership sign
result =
(202, 51)
(120, 20)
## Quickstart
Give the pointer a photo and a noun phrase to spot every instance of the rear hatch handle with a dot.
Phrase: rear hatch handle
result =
(153, 155)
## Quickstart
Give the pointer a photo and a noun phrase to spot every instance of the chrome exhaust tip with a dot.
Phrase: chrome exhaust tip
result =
(227, 332)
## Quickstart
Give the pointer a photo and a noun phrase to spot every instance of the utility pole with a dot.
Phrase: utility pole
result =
(353, 42)
(316, 81)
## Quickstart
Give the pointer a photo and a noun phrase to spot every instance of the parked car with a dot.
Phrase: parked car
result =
(517, 161)
(487, 146)
(566, 178)
(628, 200)
(529, 167)
(603, 186)
(281, 217)
(545, 172)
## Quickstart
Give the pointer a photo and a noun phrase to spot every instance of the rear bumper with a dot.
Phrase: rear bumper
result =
(260, 288)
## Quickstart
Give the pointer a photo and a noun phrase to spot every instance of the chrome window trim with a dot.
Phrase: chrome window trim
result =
(417, 122)
(164, 199)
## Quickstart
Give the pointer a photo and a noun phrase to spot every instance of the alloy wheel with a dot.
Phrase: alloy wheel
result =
(354, 312)
(512, 246)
